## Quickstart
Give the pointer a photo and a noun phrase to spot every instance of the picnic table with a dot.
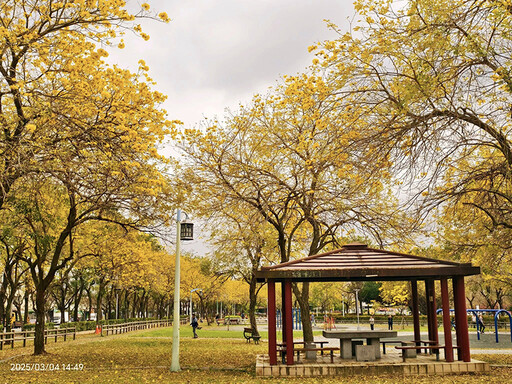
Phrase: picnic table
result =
(349, 336)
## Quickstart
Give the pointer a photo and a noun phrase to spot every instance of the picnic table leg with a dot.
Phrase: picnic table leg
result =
(346, 348)
(375, 342)
(383, 348)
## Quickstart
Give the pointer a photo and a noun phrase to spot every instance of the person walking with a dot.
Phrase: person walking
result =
(390, 322)
(481, 321)
(194, 325)
(372, 323)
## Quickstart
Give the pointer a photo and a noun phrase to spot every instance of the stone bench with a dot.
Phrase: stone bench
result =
(365, 353)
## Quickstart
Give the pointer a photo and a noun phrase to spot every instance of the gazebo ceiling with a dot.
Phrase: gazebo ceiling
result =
(357, 262)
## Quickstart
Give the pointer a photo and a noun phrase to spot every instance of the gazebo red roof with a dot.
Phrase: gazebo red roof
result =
(357, 262)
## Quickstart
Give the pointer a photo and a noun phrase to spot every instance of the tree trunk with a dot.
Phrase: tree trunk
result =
(303, 300)
(253, 297)
(134, 308)
(99, 302)
(25, 314)
(62, 309)
(8, 310)
(89, 299)
(78, 298)
(39, 330)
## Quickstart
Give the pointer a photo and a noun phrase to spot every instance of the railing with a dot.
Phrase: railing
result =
(115, 329)
(22, 336)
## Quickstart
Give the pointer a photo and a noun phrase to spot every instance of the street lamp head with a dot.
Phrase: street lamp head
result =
(187, 231)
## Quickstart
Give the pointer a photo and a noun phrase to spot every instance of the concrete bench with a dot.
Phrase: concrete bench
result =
(365, 353)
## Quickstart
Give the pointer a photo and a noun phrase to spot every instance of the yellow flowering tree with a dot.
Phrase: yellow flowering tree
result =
(289, 158)
(79, 138)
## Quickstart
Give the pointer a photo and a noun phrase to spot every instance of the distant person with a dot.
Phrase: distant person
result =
(194, 325)
(217, 319)
(313, 320)
(372, 323)
(481, 321)
(390, 322)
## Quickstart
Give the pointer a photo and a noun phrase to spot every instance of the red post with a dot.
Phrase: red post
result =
(461, 318)
(415, 312)
(289, 321)
(447, 324)
(271, 317)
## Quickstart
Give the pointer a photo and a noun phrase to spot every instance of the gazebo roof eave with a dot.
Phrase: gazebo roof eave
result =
(368, 274)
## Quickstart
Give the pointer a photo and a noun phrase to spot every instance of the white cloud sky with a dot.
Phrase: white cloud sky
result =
(216, 54)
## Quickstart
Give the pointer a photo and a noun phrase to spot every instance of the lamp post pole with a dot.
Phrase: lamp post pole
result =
(175, 361)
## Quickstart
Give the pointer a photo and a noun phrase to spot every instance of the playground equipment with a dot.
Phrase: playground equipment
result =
(496, 312)
(296, 319)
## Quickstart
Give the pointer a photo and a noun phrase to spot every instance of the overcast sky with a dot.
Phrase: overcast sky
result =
(215, 54)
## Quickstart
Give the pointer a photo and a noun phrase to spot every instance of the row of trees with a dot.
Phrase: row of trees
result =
(78, 146)
(399, 129)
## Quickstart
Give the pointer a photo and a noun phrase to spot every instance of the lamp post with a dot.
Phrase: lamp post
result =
(187, 235)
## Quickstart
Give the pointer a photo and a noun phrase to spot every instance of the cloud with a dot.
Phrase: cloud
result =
(215, 54)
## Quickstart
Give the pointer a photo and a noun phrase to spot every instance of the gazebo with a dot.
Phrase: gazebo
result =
(357, 262)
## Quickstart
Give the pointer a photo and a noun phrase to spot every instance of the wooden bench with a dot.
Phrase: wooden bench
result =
(302, 343)
(330, 349)
(426, 344)
(401, 342)
(436, 349)
(249, 334)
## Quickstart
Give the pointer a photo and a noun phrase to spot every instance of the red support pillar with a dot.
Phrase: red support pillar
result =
(289, 321)
(447, 324)
(283, 312)
(271, 316)
(461, 318)
(415, 312)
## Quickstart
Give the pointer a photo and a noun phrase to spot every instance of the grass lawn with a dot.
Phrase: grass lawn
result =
(210, 332)
(217, 356)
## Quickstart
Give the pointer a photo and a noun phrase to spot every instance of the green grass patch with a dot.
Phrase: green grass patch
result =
(211, 332)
